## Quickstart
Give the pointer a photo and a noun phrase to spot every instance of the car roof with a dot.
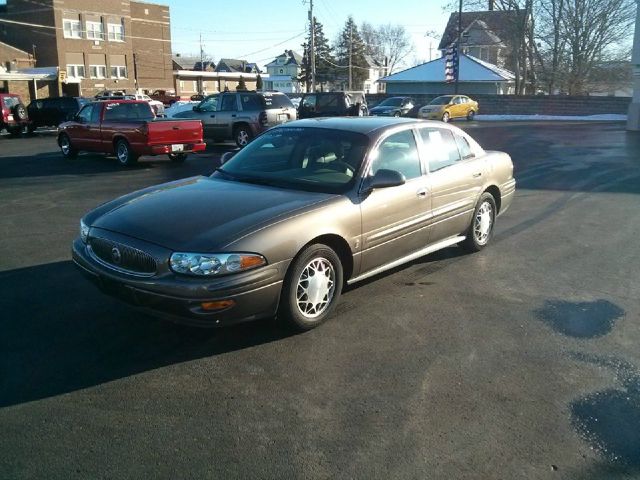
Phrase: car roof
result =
(364, 125)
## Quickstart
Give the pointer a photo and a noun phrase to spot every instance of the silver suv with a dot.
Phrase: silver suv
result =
(240, 116)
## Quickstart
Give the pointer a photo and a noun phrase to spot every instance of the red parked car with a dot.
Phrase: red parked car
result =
(13, 114)
(128, 129)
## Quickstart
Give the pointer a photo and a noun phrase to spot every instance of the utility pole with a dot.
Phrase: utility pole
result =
(201, 54)
(351, 52)
(312, 22)
(459, 45)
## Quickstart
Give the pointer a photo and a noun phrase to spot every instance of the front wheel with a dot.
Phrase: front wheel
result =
(481, 229)
(311, 288)
(396, 114)
(242, 135)
(67, 149)
(126, 157)
(178, 157)
(471, 115)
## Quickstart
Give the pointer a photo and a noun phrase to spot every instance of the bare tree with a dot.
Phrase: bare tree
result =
(549, 43)
(388, 44)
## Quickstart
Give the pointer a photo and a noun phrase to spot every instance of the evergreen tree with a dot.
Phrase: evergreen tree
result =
(325, 69)
(258, 82)
(241, 84)
(350, 48)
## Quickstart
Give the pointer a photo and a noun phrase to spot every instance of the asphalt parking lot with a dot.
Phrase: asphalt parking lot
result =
(521, 361)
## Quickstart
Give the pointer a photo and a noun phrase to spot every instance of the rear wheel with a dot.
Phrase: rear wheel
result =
(446, 117)
(126, 157)
(242, 135)
(67, 149)
(481, 229)
(471, 115)
(178, 157)
(311, 288)
(396, 114)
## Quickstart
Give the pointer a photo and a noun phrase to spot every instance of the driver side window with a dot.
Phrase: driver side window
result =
(398, 152)
(84, 115)
(209, 104)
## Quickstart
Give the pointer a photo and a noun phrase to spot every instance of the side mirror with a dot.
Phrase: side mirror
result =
(383, 179)
(226, 157)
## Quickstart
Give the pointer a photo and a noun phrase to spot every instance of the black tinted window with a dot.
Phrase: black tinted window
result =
(277, 101)
(127, 111)
(251, 102)
(228, 103)
(440, 148)
(309, 101)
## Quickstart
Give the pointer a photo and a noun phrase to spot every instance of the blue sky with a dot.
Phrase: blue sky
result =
(258, 30)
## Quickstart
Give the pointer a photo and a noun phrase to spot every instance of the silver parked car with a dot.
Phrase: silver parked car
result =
(241, 116)
(286, 222)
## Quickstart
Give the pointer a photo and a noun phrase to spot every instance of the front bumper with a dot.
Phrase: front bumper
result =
(178, 298)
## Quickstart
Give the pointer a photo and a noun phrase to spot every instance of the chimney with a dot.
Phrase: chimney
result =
(491, 5)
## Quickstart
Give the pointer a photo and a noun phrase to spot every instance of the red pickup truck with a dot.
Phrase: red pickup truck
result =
(128, 129)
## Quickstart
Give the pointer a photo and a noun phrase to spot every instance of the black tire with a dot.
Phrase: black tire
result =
(20, 112)
(242, 135)
(471, 115)
(476, 240)
(66, 147)
(31, 128)
(446, 117)
(125, 156)
(178, 157)
(289, 310)
(396, 114)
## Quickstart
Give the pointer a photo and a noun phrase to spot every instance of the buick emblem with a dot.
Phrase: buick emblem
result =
(116, 256)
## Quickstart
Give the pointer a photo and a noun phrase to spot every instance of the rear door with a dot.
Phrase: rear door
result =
(395, 220)
(455, 180)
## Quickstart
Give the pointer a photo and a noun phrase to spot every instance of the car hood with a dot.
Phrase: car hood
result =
(384, 109)
(201, 214)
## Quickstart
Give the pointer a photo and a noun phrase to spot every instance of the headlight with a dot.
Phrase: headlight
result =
(207, 264)
(84, 231)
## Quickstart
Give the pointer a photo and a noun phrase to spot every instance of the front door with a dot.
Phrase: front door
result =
(455, 180)
(206, 111)
(80, 130)
(226, 115)
(395, 220)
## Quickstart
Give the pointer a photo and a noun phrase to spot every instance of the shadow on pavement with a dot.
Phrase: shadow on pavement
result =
(60, 334)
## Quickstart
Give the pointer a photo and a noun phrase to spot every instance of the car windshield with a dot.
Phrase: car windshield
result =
(391, 102)
(313, 159)
(11, 102)
(440, 101)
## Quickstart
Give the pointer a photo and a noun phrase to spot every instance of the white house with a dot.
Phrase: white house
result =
(283, 72)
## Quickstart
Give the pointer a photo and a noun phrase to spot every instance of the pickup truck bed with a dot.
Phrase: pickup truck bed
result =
(129, 129)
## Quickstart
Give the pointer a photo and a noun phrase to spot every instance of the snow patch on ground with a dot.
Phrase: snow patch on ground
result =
(596, 118)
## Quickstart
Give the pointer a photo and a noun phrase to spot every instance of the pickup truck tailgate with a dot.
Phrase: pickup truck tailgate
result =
(163, 132)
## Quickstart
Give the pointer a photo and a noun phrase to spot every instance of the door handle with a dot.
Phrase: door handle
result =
(422, 193)
(476, 175)
(213, 116)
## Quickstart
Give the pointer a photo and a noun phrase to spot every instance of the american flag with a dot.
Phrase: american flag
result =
(451, 64)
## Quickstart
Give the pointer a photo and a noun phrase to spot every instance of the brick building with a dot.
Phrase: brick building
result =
(99, 44)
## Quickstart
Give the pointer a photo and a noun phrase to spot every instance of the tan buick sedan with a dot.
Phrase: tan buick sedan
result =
(303, 209)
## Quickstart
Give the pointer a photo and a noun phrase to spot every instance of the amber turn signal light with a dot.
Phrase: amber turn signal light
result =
(218, 305)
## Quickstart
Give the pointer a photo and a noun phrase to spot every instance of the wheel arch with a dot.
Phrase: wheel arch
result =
(339, 245)
(495, 193)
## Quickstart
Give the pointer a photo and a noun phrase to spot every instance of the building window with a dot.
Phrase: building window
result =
(95, 31)
(118, 71)
(98, 71)
(116, 32)
(72, 28)
(281, 71)
(75, 71)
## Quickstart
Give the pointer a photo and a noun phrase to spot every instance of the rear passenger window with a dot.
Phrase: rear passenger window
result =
(398, 152)
(250, 102)
(309, 101)
(228, 103)
(463, 147)
(440, 148)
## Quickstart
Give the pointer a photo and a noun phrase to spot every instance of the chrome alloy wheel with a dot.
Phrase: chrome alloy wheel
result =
(243, 138)
(65, 145)
(316, 287)
(122, 153)
(483, 222)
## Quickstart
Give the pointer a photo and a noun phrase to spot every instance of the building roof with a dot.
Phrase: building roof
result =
(291, 58)
(472, 69)
(16, 51)
(499, 22)
(235, 65)
(185, 62)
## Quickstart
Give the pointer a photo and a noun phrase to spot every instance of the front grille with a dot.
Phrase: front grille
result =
(123, 257)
